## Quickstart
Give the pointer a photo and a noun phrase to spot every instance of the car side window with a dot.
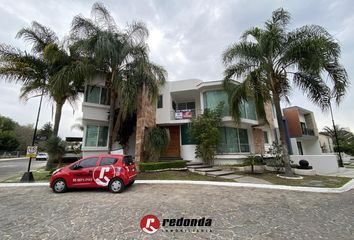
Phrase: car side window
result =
(88, 162)
(108, 161)
(128, 160)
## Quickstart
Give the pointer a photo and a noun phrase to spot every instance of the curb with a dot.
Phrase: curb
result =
(346, 187)
(12, 159)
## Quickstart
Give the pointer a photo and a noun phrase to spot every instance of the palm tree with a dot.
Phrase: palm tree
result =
(50, 69)
(270, 59)
(114, 52)
(344, 136)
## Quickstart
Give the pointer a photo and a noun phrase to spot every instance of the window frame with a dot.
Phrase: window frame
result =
(97, 136)
(160, 102)
(100, 94)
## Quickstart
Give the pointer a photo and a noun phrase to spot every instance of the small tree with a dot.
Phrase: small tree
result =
(205, 130)
(156, 141)
(56, 149)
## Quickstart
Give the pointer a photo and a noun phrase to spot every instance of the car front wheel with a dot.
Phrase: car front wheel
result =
(59, 186)
(116, 185)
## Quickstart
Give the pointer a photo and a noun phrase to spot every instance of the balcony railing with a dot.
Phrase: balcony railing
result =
(308, 131)
(185, 114)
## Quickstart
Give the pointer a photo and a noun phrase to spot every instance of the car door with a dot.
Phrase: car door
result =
(82, 172)
(105, 171)
(129, 166)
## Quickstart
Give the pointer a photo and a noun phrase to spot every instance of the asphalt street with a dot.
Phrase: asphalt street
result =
(12, 167)
(236, 213)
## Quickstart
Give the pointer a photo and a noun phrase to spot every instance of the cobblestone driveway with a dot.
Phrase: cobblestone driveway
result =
(237, 213)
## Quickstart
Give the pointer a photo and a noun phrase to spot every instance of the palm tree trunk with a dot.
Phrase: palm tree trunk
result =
(282, 138)
(112, 107)
(57, 117)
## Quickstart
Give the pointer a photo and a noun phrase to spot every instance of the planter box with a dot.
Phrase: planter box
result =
(306, 172)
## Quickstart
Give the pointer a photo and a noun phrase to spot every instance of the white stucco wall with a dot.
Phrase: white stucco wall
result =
(188, 153)
(311, 147)
(322, 164)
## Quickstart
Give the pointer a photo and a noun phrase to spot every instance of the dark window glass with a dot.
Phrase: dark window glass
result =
(93, 94)
(88, 162)
(128, 160)
(104, 96)
(108, 161)
(186, 135)
(190, 105)
(160, 102)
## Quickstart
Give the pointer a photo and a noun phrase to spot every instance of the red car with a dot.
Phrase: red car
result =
(100, 171)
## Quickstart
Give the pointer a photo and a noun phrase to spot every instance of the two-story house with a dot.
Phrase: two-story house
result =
(180, 101)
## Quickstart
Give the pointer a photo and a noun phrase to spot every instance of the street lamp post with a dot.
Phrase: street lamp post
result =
(340, 161)
(28, 176)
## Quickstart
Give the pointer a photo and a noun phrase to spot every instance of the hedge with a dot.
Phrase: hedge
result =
(162, 165)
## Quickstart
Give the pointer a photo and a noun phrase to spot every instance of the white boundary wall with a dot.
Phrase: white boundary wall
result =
(321, 164)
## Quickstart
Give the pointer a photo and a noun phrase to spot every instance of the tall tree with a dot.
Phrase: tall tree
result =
(269, 59)
(114, 51)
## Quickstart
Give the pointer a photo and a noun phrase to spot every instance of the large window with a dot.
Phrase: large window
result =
(96, 136)
(233, 140)
(213, 98)
(97, 94)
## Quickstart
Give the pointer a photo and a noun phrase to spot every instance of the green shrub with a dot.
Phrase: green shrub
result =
(162, 165)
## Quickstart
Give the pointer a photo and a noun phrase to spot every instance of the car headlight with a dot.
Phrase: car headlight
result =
(56, 171)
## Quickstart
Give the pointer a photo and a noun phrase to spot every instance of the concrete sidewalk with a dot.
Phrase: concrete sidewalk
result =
(346, 187)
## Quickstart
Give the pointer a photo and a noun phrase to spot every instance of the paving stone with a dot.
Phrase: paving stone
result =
(220, 173)
(236, 213)
(207, 169)
(199, 166)
(231, 176)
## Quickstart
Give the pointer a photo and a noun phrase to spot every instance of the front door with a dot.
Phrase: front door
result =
(173, 149)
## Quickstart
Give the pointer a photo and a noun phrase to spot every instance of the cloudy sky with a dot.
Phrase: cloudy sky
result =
(187, 37)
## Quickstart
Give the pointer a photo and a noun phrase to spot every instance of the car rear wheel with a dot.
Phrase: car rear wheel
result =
(116, 185)
(59, 186)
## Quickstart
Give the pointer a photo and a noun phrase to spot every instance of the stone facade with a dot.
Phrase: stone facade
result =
(146, 117)
(258, 140)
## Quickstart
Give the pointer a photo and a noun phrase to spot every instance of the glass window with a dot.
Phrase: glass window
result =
(96, 136)
(160, 102)
(213, 98)
(265, 136)
(103, 136)
(97, 94)
(128, 160)
(93, 94)
(91, 135)
(186, 135)
(88, 162)
(104, 96)
(191, 105)
(233, 140)
(107, 161)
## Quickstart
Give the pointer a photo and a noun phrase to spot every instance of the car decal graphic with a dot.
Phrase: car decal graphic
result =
(102, 175)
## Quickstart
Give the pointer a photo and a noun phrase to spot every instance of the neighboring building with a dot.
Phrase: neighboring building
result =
(302, 130)
(182, 100)
(326, 143)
